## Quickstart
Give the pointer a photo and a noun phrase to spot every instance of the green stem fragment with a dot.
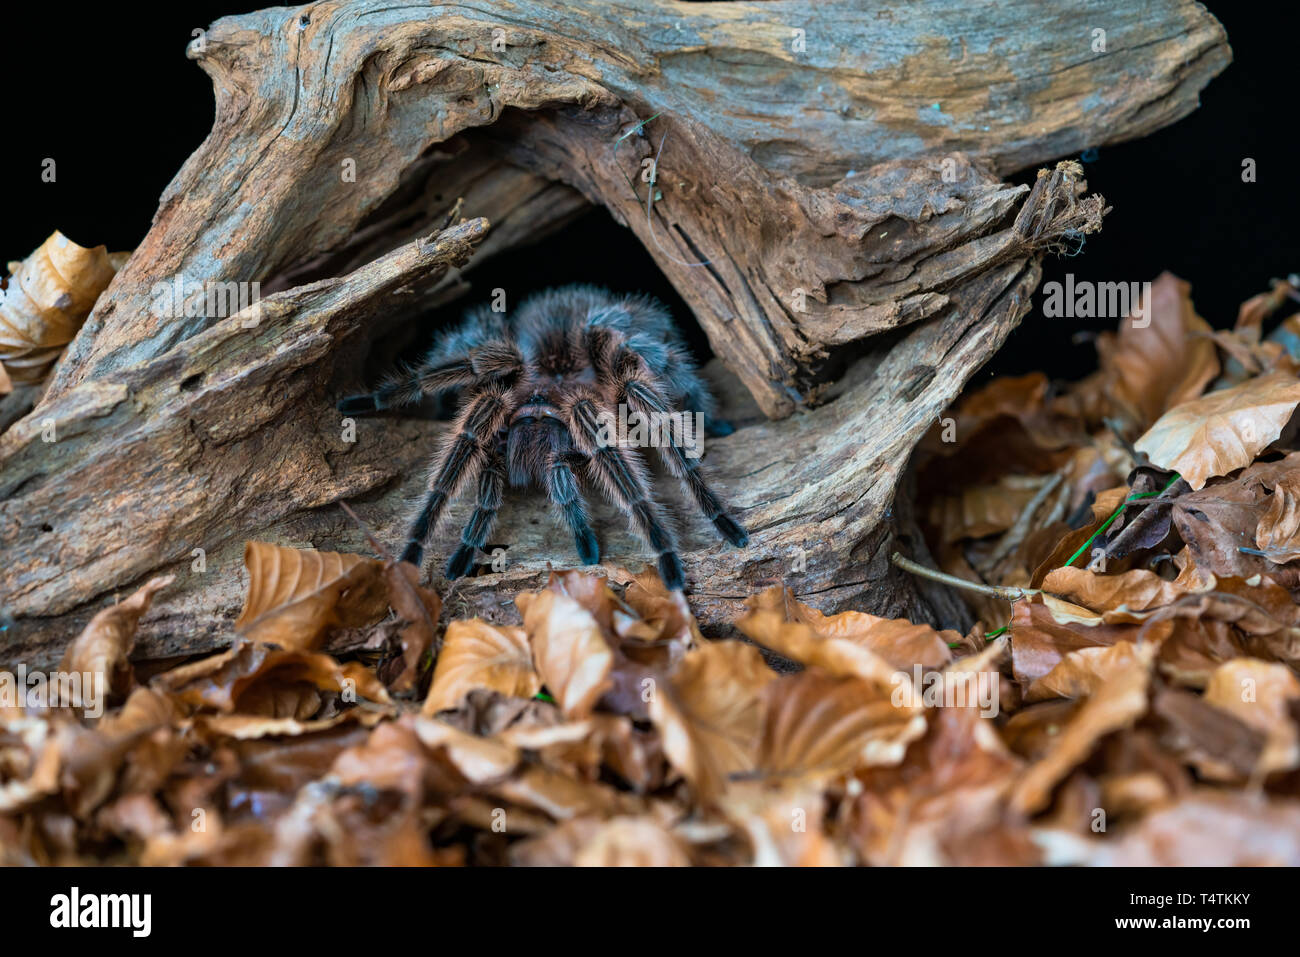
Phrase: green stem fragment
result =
(1122, 505)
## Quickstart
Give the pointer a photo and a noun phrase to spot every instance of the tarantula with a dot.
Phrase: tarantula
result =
(537, 394)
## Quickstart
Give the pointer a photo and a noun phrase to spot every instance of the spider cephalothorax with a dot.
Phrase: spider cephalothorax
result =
(539, 392)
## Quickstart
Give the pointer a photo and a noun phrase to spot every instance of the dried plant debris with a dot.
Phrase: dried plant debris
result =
(44, 301)
(1130, 694)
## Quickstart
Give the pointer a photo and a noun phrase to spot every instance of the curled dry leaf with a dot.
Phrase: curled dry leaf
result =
(767, 813)
(1150, 369)
(1223, 431)
(476, 654)
(1278, 530)
(1084, 670)
(1116, 704)
(1044, 629)
(1209, 829)
(48, 297)
(418, 608)
(1134, 590)
(104, 646)
(1253, 509)
(631, 842)
(1261, 695)
(946, 802)
(710, 716)
(569, 649)
(818, 725)
(296, 595)
(247, 677)
(850, 643)
(622, 841)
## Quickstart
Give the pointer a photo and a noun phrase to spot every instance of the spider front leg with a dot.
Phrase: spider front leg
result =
(645, 399)
(623, 478)
(460, 460)
(410, 387)
(562, 489)
(487, 362)
(491, 484)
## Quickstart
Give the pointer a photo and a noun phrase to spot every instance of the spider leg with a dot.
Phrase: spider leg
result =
(491, 483)
(410, 386)
(459, 461)
(647, 400)
(562, 489)
(491, 360)
(623, 477)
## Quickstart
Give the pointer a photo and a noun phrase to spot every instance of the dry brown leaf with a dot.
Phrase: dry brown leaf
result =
(1116, 704)
(1278, 529)
(1044, 629)
(1134, 590)
(622, 841)
(850, 643)
(250, 727)
(1209, 829)
(478, 760)
(710, 716)
(49, 296)
(569, 650)
(418, 608)
(819, 725)
(946, 803)
(1223, 431)
(1260, 695)
(1149, 370)
(1069, 540)
(979, 510)
(1250, 511)
(1082, 671)
(296, 595)
(476, 654)
(784, 824)
(631, 842)
(104, 646)
(247, 675)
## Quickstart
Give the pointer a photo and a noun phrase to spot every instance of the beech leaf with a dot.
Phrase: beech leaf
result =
(296, 595)
(1223, 431)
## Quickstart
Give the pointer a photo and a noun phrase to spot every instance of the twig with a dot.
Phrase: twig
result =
(1016, 533)
(380, 550)
(1006, 592)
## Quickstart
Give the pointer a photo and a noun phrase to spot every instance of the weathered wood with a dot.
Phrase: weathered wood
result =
(751, 109)
(196, 433)
(231, 434)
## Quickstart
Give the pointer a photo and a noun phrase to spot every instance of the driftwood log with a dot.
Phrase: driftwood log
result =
(822, 186)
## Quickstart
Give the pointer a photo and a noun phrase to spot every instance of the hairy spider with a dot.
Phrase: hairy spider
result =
(538, 393)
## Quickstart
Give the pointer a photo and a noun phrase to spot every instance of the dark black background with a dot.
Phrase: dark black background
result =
(107, 91)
